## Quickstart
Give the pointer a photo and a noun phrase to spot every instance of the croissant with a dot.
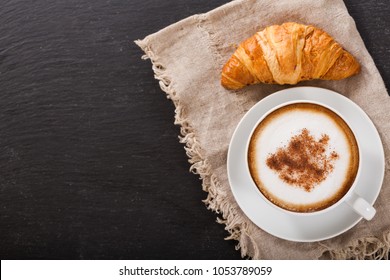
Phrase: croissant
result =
(287, 54)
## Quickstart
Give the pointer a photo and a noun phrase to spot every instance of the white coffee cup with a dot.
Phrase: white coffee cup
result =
(298, 115)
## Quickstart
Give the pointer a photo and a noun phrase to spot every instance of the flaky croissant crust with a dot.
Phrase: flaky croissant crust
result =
(287, 54)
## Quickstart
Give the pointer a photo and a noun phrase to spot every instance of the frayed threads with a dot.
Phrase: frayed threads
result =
(367, 248)
(215, 201)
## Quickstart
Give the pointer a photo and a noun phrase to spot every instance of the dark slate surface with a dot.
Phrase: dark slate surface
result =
(90, 163)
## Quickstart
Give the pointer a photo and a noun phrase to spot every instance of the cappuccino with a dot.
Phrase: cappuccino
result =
(303, 157)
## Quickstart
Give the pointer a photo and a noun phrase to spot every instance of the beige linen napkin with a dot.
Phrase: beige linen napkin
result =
(187, 59)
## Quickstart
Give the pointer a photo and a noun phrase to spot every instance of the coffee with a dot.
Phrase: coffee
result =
(303, 157)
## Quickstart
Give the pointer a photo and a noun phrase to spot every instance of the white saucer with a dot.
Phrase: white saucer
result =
(313, 227)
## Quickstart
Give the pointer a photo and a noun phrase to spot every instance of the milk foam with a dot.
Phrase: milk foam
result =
(278, 132)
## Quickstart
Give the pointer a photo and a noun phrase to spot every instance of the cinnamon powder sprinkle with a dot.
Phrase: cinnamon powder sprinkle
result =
(303, 162)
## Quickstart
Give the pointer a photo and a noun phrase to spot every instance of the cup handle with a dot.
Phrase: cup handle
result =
(362, 207)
